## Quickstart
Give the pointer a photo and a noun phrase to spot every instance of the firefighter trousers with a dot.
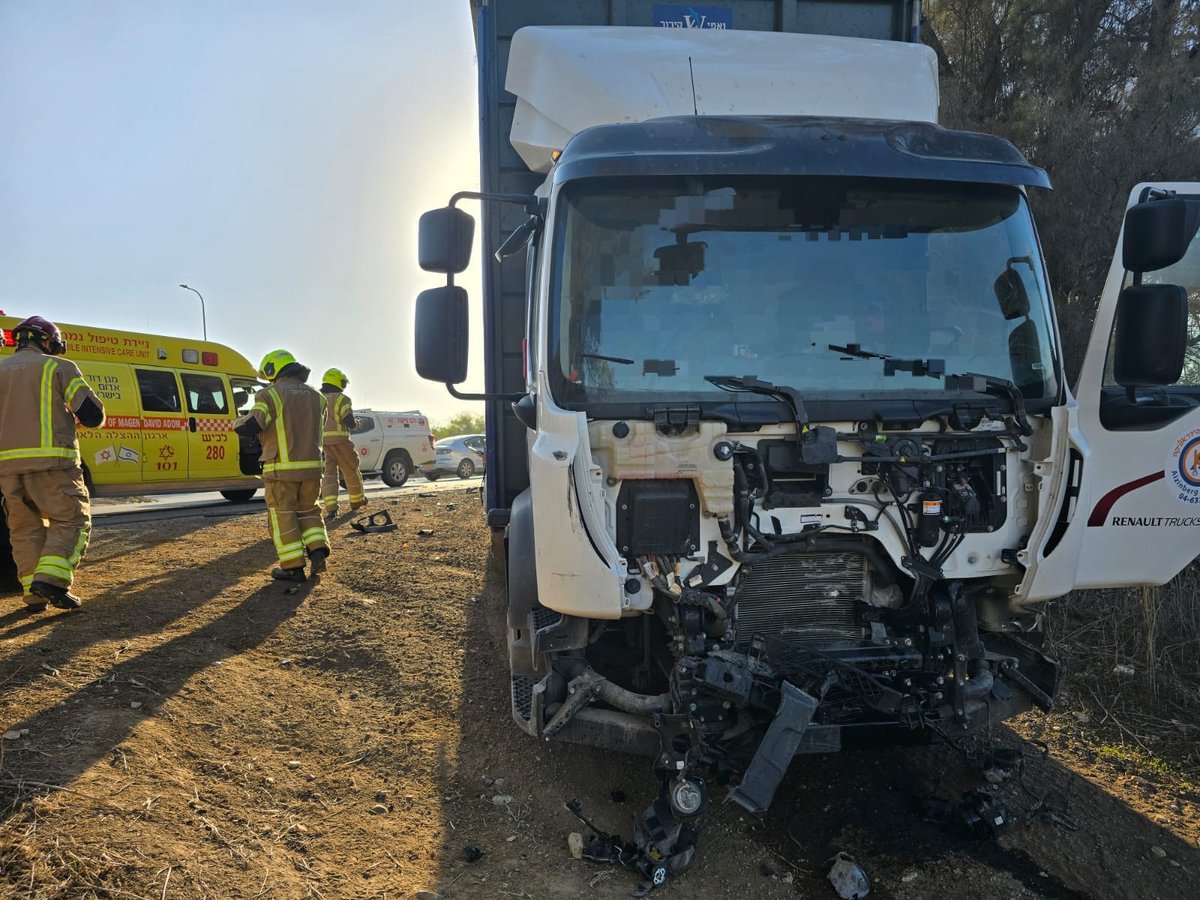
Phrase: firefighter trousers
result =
(49, 523)
(294, 519)
(341, 455)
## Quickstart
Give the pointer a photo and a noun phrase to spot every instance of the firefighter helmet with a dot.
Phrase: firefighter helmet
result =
(44, 331)
(274, 363)
(337, 378)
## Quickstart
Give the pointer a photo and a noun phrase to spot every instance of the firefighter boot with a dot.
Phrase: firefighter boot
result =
(317, 560)
(289, 574)
(56, 596)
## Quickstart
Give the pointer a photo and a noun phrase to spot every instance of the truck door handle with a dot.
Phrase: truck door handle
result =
(192, 424)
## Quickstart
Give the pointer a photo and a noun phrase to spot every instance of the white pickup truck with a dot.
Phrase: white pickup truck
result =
(392, 444)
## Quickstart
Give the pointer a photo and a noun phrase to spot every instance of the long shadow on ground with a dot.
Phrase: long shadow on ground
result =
(132, 609)
(166, 668)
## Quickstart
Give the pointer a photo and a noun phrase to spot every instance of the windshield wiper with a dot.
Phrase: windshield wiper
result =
(997, 387)
(817, 446)
(934, 368)
(751, 384)
(616, 359)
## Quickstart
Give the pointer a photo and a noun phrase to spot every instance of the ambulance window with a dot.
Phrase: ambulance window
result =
(363, 424)
(159, 390)
(243, 393)
(205, 394)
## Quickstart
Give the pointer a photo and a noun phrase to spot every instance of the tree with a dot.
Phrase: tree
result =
(462, 423)
(1102, 94)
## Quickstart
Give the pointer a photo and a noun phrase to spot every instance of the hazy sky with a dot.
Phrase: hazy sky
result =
(273, 154)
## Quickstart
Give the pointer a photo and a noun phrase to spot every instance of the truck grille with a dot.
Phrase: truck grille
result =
(806, 596)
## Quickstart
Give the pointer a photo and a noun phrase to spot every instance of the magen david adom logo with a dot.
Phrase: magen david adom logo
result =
(1183, 466)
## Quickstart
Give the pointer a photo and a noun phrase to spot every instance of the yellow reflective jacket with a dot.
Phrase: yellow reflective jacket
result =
(291, 415)
(338, 407)
(39, 395)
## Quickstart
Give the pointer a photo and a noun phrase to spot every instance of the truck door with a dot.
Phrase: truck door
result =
(1130, 511)
(368, 440)
(212, 445)
(164, 426)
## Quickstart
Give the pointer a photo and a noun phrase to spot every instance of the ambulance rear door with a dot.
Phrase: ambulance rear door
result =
(165, 435)
(1131, 513)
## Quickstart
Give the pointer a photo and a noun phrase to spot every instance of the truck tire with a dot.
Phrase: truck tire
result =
(239, 496)
(397, 466)
(466, 469)
(432, 476)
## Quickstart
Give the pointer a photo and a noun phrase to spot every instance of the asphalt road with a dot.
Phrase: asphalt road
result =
(209, 504)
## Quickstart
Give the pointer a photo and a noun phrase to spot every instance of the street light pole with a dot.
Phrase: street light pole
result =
(203, 315)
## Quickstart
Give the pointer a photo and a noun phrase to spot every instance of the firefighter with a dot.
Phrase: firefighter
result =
(288, 417)
(42, 400)
(339, 449)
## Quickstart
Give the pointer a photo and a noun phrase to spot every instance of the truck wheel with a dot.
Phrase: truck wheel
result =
(432, 476)
(396, 468)
(239, 496)
(466, 469)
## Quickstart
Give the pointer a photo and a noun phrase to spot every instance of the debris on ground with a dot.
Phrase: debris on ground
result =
(979, 813)
(848, 877)
(1053, 810)
(575, 844)
(375, 523)
(472, 854)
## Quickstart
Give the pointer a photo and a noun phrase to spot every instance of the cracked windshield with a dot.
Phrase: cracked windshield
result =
(829, 286)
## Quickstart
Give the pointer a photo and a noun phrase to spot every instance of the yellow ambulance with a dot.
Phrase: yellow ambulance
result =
(170, 405)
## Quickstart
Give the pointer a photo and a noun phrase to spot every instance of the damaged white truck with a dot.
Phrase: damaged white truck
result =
(781, 444)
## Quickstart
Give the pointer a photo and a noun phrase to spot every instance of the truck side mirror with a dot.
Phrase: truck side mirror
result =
(444, 240)
(678, 264)
(1158, 232)
(1151, 335)
(1011, 295)
(441, 334)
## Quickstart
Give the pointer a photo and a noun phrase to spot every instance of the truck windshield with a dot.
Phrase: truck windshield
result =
(802, 281)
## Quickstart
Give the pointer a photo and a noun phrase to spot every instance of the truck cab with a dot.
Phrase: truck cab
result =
(788, 461)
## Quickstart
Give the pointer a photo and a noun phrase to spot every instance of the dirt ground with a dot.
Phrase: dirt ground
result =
(199, 731)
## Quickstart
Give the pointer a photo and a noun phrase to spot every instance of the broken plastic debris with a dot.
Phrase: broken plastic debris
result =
(848, 877)
(375, 523)
(12, 735)
(575, 844)
(1126, 671)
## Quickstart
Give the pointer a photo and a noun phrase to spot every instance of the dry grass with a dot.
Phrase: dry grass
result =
(1152, 632)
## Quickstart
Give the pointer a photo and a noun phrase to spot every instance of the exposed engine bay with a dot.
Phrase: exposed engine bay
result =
(794, 590)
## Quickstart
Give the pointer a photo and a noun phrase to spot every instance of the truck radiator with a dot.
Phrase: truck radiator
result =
(805, 596)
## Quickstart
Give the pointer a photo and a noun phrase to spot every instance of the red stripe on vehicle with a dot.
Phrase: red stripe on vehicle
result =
(1101, 509)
